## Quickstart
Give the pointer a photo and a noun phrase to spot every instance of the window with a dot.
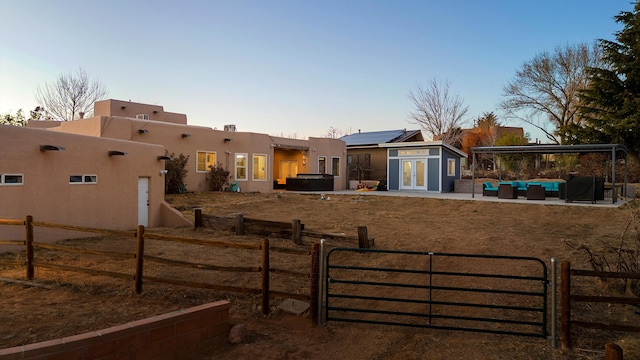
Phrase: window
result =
(259, 167)
(322, 164)
(335, 166)
(83, 179)
(241, 166)
(206, 160)
(451, 167)
(11, 179)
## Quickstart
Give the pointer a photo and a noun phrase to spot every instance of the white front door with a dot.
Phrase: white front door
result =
(413, 174)
(143, 201)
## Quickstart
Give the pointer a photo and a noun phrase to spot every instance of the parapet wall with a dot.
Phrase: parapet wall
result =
(174, 335)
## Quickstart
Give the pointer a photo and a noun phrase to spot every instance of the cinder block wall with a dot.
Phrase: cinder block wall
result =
(174, 335)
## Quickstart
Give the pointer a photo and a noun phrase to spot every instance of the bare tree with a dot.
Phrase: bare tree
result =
(548, 85)
(335, 133)
(70, 95)
(438, 112)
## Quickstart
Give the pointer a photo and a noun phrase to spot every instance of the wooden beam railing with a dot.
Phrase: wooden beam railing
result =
(567, 299)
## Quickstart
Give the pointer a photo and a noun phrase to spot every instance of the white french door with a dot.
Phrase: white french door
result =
(413, 174)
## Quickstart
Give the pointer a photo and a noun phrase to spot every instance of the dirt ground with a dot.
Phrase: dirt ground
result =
(35, 313)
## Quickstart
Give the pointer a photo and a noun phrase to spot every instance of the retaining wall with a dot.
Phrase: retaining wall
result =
(174, 335)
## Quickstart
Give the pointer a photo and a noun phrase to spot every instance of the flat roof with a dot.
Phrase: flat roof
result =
(550, 149)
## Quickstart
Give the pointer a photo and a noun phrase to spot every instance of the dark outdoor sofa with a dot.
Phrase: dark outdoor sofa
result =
(488, 189)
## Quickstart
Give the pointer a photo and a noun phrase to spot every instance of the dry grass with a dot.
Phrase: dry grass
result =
(419, 224)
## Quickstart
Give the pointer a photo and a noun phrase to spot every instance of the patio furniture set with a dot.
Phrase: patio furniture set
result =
(532, 190)
(575, 188)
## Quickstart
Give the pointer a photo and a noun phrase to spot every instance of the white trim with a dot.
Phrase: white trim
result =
(266, 164)
(339, 166)
(207, 152)
(449, 161)
(246, 167)
(424, 144)
(4, 183)
(84, 179)
(322, 171)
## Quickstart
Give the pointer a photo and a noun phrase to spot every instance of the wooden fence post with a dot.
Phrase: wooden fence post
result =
(315, 283)
(197, 216)
(265, 276)
(565, 302)
(296, 231)
(363, 237)
(139, 258)
(613, 352)
(29, 243)
(239, 224)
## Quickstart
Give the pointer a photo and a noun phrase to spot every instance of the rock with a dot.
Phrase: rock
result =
(293, 306)
(238, 334)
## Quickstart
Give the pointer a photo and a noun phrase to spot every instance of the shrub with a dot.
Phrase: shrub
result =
(218, 178)
(176, 172)
(623, 256)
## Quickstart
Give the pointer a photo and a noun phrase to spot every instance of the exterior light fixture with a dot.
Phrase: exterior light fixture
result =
(117, 153)
(143, 131)
(185, 135)
(227, 139)
(51, 148)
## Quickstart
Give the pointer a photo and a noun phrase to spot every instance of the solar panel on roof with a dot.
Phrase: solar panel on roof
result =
(371, 138)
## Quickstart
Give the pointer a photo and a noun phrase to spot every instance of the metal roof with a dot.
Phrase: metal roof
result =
(549, 149)
(378, 137)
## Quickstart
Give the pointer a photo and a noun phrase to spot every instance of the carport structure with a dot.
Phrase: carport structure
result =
(613, 149)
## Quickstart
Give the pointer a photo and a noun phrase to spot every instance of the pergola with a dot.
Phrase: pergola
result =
(614, 149)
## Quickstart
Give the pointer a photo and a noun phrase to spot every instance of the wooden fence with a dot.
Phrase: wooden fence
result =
(138, 276)
(567, 299)
(295, 230)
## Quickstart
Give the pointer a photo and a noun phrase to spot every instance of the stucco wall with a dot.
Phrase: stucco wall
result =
(47, 195)
(130, 109)
(225, 145)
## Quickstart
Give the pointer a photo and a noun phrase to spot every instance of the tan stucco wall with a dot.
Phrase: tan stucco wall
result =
(121, 108)
(47, 195)
(224, 144)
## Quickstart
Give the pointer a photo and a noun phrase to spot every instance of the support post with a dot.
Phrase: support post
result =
(239, 224)
(554, 304)
(363, 237)
(612, 352)
(265, 277)
(139, 258)
(296, 231)
(321, 287)
(313, 291)
(29, 243)
(197, 215)
(565, 294)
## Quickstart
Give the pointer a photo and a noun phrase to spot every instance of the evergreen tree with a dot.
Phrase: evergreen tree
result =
(610, 106)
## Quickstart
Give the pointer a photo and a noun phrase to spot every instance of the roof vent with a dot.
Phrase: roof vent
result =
(231, 128)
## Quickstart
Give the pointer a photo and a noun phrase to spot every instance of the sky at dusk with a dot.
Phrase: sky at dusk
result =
(290, 68)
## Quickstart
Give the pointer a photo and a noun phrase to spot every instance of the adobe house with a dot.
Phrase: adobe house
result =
(257, 162)
(82, 180)
(367, 159)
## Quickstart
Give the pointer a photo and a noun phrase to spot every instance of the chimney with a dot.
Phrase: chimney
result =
(81, 114)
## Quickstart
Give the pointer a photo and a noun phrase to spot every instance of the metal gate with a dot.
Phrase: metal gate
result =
(482, 293)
